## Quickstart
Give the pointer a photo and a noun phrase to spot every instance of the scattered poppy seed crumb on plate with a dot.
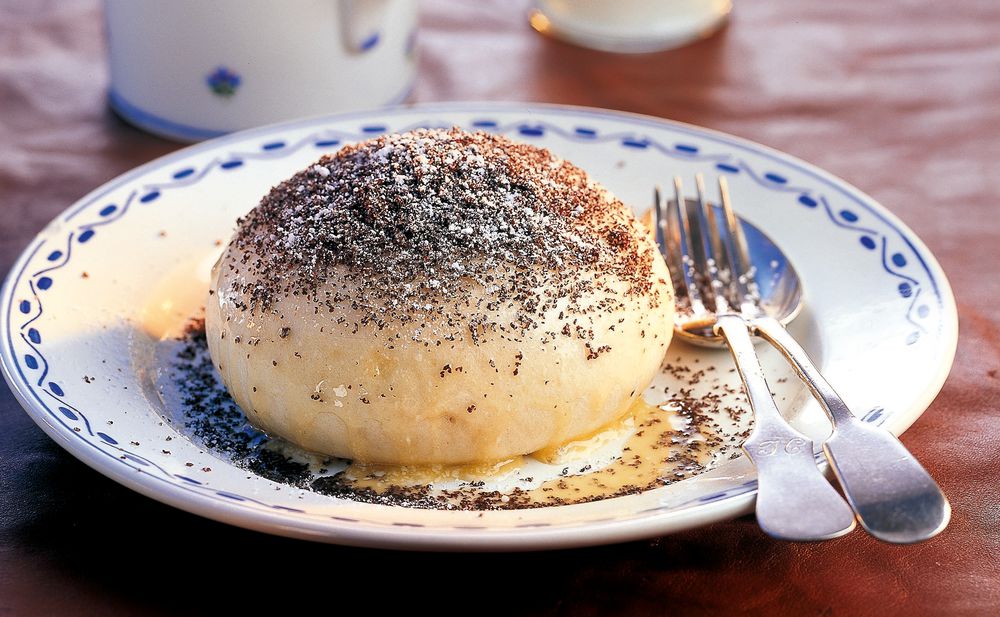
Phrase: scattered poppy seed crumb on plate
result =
(212, 419)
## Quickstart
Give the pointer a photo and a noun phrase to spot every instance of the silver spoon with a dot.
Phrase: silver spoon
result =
(893, 496)
(794, 500)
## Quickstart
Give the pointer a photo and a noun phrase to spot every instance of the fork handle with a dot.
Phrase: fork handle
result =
(794, 500)
(894, 496)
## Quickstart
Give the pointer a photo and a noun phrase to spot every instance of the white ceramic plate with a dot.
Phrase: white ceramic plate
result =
(880, 317)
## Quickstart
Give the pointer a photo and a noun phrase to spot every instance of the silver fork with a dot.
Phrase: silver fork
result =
(894, 497)
(794, 500)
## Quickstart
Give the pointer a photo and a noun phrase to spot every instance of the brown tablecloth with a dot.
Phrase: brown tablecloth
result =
(901, 99)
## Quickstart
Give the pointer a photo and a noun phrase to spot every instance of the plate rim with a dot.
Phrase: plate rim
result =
(450, 539)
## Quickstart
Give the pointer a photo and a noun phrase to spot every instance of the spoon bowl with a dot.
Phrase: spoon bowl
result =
(779, 285)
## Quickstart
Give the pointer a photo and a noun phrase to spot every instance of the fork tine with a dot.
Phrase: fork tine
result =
(684, 260)
(711, 250)
(712, 241)
(668, 241)
(660, 222)
(741, 270)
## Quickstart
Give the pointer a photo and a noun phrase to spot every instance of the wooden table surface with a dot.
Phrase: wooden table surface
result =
(900, 98)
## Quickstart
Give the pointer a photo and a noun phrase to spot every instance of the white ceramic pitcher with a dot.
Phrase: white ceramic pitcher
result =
(194, 69)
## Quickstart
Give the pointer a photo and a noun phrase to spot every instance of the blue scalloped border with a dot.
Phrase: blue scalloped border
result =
(185, 176)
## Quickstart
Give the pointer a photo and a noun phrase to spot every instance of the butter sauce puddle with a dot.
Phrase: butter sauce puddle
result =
(692, 418)
(652, 445)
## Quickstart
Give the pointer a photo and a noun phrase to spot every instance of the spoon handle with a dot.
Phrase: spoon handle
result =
(794, 500)
(893, 495)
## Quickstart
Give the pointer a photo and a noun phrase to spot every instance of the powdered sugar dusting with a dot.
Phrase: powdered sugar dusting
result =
(442, 225)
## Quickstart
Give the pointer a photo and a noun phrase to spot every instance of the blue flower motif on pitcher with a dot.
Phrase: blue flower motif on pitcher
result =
(223, 82)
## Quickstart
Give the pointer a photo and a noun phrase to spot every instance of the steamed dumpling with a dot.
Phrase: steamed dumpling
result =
(436, 297)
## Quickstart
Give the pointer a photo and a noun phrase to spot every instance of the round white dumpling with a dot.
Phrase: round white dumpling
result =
(438, 297)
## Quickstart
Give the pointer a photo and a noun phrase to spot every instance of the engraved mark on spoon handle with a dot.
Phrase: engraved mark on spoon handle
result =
(794, 500)
(894, 496)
